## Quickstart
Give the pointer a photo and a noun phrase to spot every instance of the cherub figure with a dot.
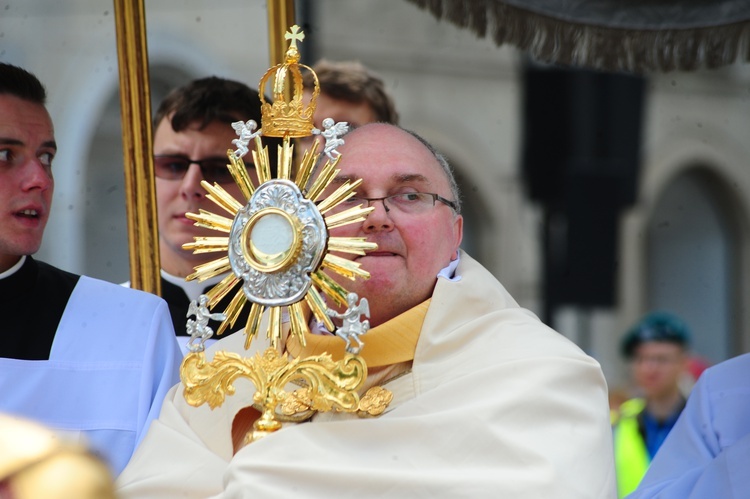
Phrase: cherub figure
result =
(246, 132)
(352, 327)
(198, 329)
(331, 132)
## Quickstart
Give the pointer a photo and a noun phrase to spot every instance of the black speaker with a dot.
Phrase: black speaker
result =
(580, 160)
(581, 246)
(577, 123)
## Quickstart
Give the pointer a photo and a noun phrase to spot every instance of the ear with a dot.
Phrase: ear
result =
(458, 234)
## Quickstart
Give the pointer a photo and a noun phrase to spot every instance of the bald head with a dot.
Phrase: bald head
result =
(413, 223)
(394, 131)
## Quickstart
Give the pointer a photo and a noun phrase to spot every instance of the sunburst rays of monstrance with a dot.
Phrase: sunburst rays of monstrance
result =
(276, 249)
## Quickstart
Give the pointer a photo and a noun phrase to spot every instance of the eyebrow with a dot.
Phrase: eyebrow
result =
(406, 178)
(399, 178)
(342, 179)
(185, 156)
(49, 144)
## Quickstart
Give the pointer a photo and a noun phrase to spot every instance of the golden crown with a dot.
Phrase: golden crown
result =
(288, 116)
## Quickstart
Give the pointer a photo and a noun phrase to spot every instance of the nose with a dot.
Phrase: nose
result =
(190, 186)
(37, 176)
(379, 219)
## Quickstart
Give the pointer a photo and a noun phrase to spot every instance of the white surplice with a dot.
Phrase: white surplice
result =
(113, 359)
(496, 404)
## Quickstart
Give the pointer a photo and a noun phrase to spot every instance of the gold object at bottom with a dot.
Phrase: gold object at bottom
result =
(35, 463)
(331, 385)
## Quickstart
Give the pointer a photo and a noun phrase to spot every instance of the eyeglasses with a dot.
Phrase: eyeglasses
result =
(407, 202)
(659, 360)
(170, 167)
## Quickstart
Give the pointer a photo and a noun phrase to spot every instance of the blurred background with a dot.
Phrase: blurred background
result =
(594, 197)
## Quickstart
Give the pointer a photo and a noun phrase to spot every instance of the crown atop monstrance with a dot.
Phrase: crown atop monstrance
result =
(288, 116)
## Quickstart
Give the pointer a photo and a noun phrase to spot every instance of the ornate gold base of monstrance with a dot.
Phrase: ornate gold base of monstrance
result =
(277, 249)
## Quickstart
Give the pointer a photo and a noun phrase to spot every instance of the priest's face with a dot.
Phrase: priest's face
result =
(27, 146)
(412, 246)
(178, 189)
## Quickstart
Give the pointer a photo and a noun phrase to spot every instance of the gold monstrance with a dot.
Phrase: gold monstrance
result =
(277, 248)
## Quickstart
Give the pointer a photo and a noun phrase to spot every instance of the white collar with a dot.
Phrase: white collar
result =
(14, 268)
(449, 272)
(193, 289)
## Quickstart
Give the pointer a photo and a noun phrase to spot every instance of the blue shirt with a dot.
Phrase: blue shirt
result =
(707, 453)
(656, 431)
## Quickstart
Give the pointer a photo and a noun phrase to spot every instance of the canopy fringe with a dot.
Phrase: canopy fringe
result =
(555, 41)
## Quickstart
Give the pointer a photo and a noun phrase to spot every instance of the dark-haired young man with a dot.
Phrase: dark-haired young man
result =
(192, 133)
(89, 359)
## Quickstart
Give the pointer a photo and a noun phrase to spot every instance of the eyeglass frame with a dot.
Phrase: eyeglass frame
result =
(202, 163)
(435, 197)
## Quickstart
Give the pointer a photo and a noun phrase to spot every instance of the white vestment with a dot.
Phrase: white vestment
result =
(496, 404)
(113, 359)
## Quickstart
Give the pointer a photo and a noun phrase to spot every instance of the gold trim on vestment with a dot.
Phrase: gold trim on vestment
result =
(390, 343)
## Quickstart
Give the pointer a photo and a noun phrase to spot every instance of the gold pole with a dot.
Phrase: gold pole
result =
(280, 19)
(140, 199)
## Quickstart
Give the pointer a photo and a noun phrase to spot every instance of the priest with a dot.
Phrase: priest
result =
(487, 400)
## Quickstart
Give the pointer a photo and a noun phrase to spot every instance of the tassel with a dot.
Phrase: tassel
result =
(555, 41)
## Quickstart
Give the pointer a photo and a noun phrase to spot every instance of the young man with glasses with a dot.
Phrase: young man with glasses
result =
(88, 358)
(192, 133)
(487, 400)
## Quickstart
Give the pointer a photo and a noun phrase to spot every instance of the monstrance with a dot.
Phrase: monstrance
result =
(277, 248)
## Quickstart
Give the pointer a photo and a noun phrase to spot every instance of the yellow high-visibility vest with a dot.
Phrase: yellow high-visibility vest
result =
(631, 456)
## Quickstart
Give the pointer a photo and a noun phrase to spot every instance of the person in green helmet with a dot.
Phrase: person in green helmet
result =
(657, 350)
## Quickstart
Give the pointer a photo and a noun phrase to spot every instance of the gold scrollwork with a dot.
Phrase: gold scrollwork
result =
(374, 402)
(330, 384)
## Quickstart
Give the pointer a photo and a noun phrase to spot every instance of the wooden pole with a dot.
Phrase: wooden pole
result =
(140, 197)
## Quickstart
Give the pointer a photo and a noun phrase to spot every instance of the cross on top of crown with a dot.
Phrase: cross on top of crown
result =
(294, 35)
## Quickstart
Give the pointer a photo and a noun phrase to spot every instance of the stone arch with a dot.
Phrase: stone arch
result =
(718, 166)
(692, 256)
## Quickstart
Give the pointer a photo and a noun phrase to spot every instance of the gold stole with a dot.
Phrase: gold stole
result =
(390, 343)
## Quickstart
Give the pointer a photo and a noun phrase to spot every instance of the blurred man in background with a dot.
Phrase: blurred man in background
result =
(657, 348)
